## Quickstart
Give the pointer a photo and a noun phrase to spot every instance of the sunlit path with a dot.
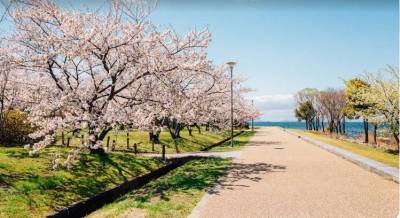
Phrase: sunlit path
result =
(278, 175)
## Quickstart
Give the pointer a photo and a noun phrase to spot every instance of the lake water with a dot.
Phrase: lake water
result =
(353, 129)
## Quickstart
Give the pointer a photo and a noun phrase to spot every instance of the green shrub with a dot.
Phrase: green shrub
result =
(14, 127)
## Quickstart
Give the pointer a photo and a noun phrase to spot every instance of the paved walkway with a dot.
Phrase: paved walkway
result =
(375, 166)
(279, 175)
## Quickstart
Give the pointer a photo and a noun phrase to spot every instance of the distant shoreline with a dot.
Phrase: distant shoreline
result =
(353, 128)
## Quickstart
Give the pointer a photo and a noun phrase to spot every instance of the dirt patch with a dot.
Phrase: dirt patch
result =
(155, 200)
(133, 213)
(129, 213)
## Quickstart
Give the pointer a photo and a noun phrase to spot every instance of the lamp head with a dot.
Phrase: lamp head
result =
(231, 64)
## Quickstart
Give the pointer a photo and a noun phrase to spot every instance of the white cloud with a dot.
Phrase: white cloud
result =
(275, 107)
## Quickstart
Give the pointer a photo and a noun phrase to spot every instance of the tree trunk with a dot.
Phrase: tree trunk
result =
(198, 128)
(336, 128)
(365, 122)
(91, 142)
(396, 138)
(127, 140)
(171, 132)
(174, 132)
(189, 128)
(331, 126)
(151, 138)
(313, 124)
(323, 126)
(177, 131)
(344, 125)
(2, 116)
(108, 143)
(176, 147)
(174, 137)
(375, 128)
(98, 137)
(62, 138)
(104, 132)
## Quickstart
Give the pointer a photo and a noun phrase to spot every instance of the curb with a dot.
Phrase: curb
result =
(388, 172)
(221, 142)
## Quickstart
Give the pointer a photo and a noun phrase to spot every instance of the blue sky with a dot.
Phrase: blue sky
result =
(284, 46)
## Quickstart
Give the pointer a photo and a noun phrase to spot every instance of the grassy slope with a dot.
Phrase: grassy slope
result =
(29, 188)
(378, 154)
(174, 195)
(186, 144)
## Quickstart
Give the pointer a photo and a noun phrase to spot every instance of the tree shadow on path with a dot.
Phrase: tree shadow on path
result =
(242, 172)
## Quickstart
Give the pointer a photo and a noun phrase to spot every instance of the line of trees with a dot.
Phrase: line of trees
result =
(322, 110)
(372, 97)
(69, 69)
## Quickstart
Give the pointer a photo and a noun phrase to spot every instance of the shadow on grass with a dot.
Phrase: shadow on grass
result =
(194, 176)
(91, 175)
(17, 153)
(201, 175)
(392, 151)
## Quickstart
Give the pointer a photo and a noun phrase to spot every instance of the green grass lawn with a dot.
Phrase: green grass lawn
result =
(173, 195)
(185, 144)
(30, 188)
(379, 154)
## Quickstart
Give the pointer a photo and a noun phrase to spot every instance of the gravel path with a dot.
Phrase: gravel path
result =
(279, 175)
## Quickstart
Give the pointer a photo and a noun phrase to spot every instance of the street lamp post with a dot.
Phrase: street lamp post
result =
(231, 64)
(252, 119)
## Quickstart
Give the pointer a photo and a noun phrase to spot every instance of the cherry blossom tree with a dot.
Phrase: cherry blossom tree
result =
(11, 85)
(101, 69)
(87, 61)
